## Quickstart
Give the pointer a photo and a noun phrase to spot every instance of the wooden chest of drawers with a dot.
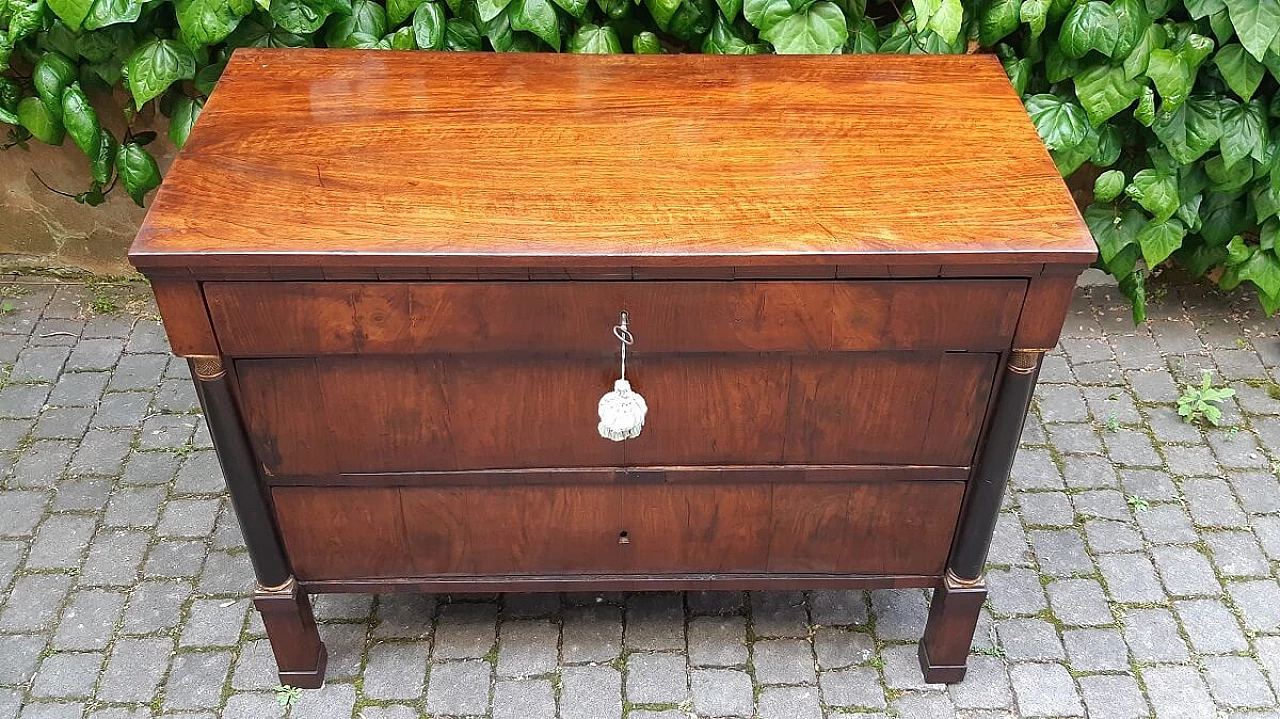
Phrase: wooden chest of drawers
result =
(398, 275)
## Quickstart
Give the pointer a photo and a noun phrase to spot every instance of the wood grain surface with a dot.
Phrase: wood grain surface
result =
(854, 528)
(396, 159)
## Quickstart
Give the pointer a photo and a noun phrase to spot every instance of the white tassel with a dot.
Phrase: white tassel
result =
(622, 412)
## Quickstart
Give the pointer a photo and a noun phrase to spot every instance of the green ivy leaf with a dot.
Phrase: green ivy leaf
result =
(105, 161)
(1133, 285)
(156, 65)
(1268, 234)
(1222, 215)
(1115, 233)
(72, 12)
(255, 31)
(1108, 186)
(1061, 123)
(763, 14)
(1104, 90)
(1059, 67)
(1158, 240)
(428, 26)
(1156, 191)
(1145, 112)
(1035, 13)
(1091, 25)
(818, 31)
(112, 12)
(1203, 8)
(1244, 131)
(948, 20)
(184, 118)
(730, 8)
(595, 40)
(864, 38)
(1257, 22)
(538, 17)
(1109, 146)
(9, 117)
(52, 73)
(924, 10)
(305, 16)
(1134, 20)
(207, 22)
(646, 43)
(1152, 38)
(1239, 69)
(1195, 49)
(485, 9)
(366, 18)
(725, 40)
(42, 124)
(138, 171)
(1189, 131)
(1263, 270)
(1171, 76)
(997, 19)
(1237, 251)
(461, 35)
(81, 121)
(400, 10)
(575, 8)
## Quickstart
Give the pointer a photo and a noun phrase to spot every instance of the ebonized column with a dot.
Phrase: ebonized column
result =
(953, 614)
(286, 610)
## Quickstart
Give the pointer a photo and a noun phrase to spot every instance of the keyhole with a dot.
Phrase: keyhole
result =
(623, 538)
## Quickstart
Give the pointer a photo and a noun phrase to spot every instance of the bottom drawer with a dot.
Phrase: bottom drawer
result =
(902, 527)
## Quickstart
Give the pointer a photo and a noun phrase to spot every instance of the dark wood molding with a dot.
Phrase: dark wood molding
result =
(291, 626)
(948, 634)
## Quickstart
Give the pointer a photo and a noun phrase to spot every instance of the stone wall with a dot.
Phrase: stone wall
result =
(43, 230)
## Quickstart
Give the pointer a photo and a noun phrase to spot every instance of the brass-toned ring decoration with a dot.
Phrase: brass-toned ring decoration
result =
(1024, 361)
(208, 368)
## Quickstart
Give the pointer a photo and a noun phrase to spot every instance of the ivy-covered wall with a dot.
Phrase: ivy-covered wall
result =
(1170, 104)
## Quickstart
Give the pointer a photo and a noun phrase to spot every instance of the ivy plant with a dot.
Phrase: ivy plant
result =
(1167, 108)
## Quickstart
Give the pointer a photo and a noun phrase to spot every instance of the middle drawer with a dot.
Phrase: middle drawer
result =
(337, 415)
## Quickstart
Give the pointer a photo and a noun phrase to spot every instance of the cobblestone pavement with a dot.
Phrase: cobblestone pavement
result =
(1134, 571)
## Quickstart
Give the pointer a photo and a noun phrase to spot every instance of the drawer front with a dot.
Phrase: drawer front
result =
(348, 415)
(846, 528)
(273, 319)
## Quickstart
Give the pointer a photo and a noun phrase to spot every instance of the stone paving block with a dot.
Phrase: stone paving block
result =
(1089, 472)
(59, 710)
(713, 602)
(22, 401)
(1075, 438)
(1256, 601)
(527, 647)
(78, 389)
(200, 474)
(175, 558)
(1186, 572)
(176, 396)
(1015, 591)
(592, 634)
(21, 511)
(400, 616)
(67, 675)
(403, 711)
(465, 631)
(838, 607)
(1149, 484)
(857, 688)
(399, 671)
(1238, 682)
(102, 451)
(135, 669)
(1060, 552)
(39, 364)
(1267, 530)
(1237, 450)
(1177, 692)
(33, 602)
(1103, 504)
(114, 558)
(256, 666)
(94, 354)
(89, 620)
(1113, 697)
(1237, 554)
(1167, 524)
(1212, 504)
(985, 686)
(333, 701)
(166, 431)
(789, 703)
(900, 615)
(82, 494)
(21, 653)
(138, 372)
(60, 542)
(1109, 537)
(43, 463)
(779, 614)
(1046, 509)
(590, 692)
(783, 661)
(923, 706)
(1030, 640)
(1130, 578)
(901, 668)
(12, 432)
(1061, 403)
(722, 692)
(12, 552)
(225, 573)
(62, 423)
(522, 699)
(1153, 636)
(155, 605)
(717, 641)
(1211, 626)
(836, 648)
(657, 679)
(252, 706)
(1259, 492)
(1009, 545)
(121, 409)
(188, 517)
(1035, 469)
(1167, 426)
(134, 507)
(1045, 690)
(195, 680)
(214, 623)
(1096, 650)
(1131, 448)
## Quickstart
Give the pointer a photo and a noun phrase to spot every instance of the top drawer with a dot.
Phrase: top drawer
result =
(266, 319)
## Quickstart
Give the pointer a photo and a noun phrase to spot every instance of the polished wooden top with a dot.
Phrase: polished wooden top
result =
(307, 158)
